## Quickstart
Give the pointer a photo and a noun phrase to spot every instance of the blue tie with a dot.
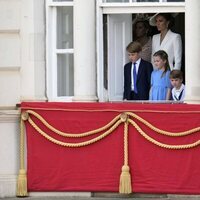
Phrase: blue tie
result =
(135, 77)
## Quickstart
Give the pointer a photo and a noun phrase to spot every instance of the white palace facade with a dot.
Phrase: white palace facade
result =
(74, 50)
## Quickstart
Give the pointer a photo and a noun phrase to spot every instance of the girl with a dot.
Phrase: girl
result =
(160, 81)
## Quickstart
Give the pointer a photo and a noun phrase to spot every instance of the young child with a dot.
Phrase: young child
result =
(160, 81)
(178, 91)
(137, 74)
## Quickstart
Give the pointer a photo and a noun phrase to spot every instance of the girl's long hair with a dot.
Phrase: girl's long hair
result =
(164, 56)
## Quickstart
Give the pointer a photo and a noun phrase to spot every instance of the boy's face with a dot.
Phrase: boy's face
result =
(176, 82)
(133, 57)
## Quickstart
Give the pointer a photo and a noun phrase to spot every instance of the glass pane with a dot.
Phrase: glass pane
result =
(114, 1)
(65, 74)
(175, 0)
(65, 27)
(121, 1)
(61, 0)
(145, 0)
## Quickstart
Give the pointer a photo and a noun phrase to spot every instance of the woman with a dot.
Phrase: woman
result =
(140, 34)
(167, 40)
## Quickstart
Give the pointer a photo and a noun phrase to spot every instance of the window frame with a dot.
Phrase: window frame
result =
(124, 8)
(52, 51)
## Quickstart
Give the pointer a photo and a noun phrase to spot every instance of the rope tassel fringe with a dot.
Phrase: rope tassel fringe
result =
(22, 184)
(125, 181)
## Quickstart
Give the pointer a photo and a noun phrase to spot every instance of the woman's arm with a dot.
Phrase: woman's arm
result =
(177, 44)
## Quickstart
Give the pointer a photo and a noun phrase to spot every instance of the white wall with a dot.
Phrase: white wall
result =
(22, 77)
(9, 152)
(10, 57)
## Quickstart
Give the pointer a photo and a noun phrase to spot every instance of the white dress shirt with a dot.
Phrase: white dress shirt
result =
(177, 92)
(137, 67)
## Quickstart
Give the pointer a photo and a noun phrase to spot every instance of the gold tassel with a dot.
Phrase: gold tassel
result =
(22, 178)
(22, 184)
(125, 177)
(125, 181)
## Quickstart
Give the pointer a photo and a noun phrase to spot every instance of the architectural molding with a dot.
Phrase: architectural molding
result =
(8, 185)
(9, 116)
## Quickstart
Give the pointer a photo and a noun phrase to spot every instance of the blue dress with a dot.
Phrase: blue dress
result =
(159, 85)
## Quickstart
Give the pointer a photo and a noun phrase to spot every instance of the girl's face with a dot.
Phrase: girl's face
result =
(133, 57)
(140, 30)
(159, 63)
(161, 23)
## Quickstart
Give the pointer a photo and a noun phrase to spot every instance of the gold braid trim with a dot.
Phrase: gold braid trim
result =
(162, 131)
(70, 134)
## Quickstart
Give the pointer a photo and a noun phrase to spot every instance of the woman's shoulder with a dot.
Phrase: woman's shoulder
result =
(156, 36)
(171, 33)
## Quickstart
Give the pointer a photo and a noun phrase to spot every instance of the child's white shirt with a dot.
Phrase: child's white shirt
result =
(178, 95)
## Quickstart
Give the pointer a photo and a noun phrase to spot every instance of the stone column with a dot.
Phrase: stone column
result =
(84, 51)
(192, 51)
(32, 32)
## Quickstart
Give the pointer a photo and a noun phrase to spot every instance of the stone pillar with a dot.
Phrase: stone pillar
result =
(192, 51)
(32, 32)
(84, 51)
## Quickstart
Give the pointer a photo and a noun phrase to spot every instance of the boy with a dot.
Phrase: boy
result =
(137, 74)
(178, 91)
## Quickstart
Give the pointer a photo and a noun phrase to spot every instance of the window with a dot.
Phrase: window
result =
(61, 0)
(130, 1)
(60, 52)
(114, 32)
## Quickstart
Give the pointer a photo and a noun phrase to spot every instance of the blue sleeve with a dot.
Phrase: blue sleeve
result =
(168, 82)
(152, 74)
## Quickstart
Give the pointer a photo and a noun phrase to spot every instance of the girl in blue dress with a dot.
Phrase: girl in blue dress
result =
(160, 81)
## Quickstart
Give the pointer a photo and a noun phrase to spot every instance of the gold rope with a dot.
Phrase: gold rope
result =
(70, 134)
(22, 178)
(167, 146)
(162, 131)
(65, 144)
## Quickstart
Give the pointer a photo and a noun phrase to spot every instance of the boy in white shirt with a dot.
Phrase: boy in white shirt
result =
(178, 91)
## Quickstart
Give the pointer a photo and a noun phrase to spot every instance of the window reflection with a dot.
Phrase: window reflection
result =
(65, 27)
(65, 78)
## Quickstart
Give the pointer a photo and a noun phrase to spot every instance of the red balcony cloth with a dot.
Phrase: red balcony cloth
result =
(97, 167)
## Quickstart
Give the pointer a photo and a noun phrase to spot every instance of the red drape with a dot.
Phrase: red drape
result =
(97, 167)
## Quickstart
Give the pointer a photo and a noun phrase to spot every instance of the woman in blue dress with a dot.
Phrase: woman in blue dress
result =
(160, 81)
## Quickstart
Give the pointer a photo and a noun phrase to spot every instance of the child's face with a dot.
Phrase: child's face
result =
(159, 63)
(176, 82)
(133, 57)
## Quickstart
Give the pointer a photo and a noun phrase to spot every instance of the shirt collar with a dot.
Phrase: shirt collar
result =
(180, 89)
(137, 62)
